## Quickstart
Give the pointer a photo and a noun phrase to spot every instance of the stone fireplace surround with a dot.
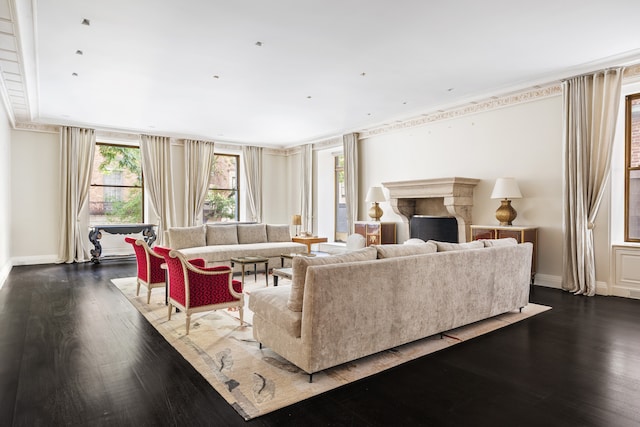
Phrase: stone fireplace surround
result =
(435, 197)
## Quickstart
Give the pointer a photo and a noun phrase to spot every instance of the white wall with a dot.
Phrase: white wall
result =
(522, 140)
(5, 195)
(35, 197)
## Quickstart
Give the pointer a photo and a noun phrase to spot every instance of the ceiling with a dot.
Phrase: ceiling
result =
(283, 72)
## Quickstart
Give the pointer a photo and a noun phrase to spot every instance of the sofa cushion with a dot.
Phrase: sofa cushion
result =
(300, 264)
(252, 233)
(219, 234)
(446, 246)
(271, 305)
(186, 237)
(278, 233)
(392, 251)
(492, 243)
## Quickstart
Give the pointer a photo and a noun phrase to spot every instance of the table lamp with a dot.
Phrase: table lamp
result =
(297, 221)
(375, 195)
(506, 189)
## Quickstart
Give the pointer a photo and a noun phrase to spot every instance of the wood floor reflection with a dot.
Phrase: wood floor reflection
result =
(73, 351)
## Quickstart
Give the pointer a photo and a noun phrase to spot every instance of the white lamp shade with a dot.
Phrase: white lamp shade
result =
(375, 194)
(506, 188)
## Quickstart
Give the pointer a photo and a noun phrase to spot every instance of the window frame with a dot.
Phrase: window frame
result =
(111, 144)
(627, 165)
(236, 189)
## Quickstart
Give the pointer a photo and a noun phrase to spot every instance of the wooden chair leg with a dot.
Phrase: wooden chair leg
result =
(149, 295)
(188, 322)
(241, 316)
(137, 287)
(170, 307)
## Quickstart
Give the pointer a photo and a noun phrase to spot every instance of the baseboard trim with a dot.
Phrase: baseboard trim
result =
(4, 273)
(34, 260)
(550, 281)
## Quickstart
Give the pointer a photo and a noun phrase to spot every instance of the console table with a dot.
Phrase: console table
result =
(376, 233)
(95, 234)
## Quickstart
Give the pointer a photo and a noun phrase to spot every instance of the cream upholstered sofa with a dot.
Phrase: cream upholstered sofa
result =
(218, 243)
(344, 307)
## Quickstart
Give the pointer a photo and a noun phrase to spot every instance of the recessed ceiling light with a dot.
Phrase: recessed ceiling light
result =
(86, 22)
(216, 77)
(258, 44)
(79, 52)
(450, 89)
(363, 74)
(74, 74)
(309, 97)
(404, 103)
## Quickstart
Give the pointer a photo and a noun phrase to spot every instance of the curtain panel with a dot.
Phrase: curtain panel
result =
(198, 162)
(590, 106)
(350, 149)
(76, 160)
(252, 159)
(155, 152)
(306, 196)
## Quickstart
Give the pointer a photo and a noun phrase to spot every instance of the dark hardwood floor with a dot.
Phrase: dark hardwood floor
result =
(73, 351)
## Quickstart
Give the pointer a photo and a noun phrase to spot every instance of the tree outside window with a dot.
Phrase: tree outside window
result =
(116, 192)
(221, 204)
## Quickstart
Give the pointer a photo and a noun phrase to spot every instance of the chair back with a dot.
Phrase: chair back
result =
(148, 262)
(175, 273)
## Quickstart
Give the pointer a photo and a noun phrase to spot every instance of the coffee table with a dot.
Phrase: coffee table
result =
(286, 273)
(290, 256)
(255, 260)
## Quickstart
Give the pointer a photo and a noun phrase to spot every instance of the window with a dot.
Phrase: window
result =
(222, 197)
(116, 192)
(632, 169)
(342, 223)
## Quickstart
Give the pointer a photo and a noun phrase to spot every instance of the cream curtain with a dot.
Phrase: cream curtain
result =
(252, 159)
(198, 161)
(306, 195)
(155, 152)
(350, 149)
(76, 160)
(590, 105)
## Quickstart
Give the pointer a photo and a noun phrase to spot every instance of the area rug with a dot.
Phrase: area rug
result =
(258, 381)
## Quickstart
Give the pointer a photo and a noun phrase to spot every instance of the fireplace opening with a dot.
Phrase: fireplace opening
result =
(440, 228)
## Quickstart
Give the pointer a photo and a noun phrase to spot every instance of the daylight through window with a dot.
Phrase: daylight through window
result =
(632, 170)
(116, 192)
(222, 203)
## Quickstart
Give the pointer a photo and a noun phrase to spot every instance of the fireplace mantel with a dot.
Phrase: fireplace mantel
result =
(437, 197)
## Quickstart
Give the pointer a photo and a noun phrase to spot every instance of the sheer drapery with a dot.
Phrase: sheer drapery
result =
(252, 159)
(350, 149)
(590, 106)
(76, 160)
(198, 161)
(155, 152)
(306, 190)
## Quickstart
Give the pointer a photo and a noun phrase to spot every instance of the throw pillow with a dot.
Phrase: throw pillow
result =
(446, 246)
(299, 269)
(393, 251)
(186, 237)
(278, 233)
(219, 234)
(252, 233)
(492, 243)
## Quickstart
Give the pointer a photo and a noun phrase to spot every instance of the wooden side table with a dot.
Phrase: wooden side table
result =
(309, 241)
(520, 233)
(376, 233)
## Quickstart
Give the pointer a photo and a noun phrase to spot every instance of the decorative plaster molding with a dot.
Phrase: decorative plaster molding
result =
(37, 127)
(471, 108)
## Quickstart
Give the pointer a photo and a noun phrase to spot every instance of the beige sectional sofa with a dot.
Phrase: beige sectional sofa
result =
(218, 243)
(344, 307)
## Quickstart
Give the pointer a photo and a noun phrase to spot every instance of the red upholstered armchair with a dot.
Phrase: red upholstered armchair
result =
(194, 288)
(150, 274)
